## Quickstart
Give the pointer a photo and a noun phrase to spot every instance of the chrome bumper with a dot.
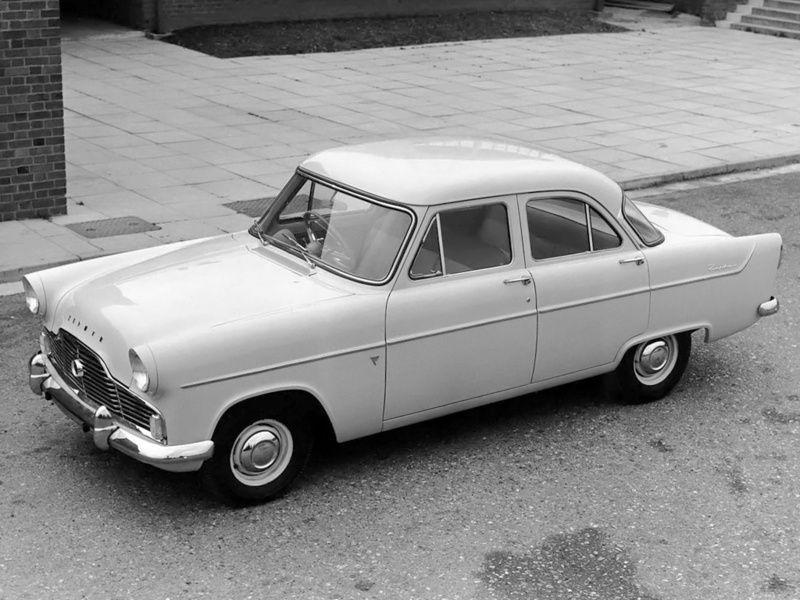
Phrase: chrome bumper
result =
(109, 433)
(770, 307)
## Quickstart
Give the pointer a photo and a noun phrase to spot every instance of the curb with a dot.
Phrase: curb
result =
(639, 183)
(16, 274)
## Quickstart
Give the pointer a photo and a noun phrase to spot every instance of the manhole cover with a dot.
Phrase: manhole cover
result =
(112, 227)
(251, 208)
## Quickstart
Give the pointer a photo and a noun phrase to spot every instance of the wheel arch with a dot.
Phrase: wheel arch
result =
(297, 398)
(644, 337)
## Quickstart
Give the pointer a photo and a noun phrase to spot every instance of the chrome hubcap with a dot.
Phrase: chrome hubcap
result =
(654, 357)
(261, 452)
(654, 360)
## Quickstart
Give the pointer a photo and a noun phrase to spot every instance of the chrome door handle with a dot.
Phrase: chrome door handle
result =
(523, 279)
(639, 260)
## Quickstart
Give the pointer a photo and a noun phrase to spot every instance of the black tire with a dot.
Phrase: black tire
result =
(258, 452)
(638, 380)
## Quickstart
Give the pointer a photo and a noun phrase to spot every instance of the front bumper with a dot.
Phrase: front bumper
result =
(107, 431)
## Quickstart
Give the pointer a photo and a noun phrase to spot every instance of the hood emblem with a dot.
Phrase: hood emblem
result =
(77, 368)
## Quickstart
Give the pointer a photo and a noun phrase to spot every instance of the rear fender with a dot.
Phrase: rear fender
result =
(716, 280)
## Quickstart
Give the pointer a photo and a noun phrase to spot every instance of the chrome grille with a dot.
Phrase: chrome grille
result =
(95, 383)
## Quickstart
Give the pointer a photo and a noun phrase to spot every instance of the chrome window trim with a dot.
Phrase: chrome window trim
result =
(361, 195)
(588, 220)
(625, 201)
(441, 243)
(411, 275)
(591, 229)
(619, 228)
(454, 206)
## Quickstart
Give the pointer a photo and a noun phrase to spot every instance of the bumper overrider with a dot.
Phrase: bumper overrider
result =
(770, 307)
(107, 432)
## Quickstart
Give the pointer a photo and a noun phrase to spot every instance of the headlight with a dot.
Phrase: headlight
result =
(33, 300)
(141, 379)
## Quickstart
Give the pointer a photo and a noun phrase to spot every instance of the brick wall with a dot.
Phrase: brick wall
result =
(32, 173)
(177, 14)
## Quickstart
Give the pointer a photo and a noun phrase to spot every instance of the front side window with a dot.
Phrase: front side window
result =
(335, 229)
(564, 226)
(464, 239)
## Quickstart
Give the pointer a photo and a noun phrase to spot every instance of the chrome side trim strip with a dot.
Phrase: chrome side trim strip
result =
(446, 330)
(282, 365)
(576, 303)
(713, 274)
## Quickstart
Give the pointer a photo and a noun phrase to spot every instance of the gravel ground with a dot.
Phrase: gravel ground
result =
(558, 495)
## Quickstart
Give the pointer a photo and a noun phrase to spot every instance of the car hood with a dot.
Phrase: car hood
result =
(676, 222)
(202, 286)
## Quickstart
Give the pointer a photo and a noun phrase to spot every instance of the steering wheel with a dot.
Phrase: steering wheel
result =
(340, 251)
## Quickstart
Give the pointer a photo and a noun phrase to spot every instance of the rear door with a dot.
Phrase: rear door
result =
(592, 283)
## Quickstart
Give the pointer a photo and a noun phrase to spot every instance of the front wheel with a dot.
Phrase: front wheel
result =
(257, 454)
(651, 369)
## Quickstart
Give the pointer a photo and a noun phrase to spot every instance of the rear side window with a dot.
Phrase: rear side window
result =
(603, 235)
(564, 226)
(646, 231)
(464, 239)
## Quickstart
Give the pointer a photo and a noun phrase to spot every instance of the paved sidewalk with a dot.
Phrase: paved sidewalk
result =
(170, 135)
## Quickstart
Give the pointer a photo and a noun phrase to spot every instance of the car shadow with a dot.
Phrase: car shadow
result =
(148, 490)
(520, 416)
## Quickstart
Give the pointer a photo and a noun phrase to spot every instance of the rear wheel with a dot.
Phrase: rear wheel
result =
(651, 369)
(257, 453)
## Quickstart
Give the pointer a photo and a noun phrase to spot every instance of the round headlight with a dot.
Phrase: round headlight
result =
(31, 298)
(141, 380)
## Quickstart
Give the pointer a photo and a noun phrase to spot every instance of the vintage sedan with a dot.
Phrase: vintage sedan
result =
(388, 283)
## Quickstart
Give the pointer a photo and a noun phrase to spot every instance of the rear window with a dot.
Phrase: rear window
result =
(646, 231)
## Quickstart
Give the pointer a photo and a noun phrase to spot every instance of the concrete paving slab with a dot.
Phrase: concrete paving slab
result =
(154, 129)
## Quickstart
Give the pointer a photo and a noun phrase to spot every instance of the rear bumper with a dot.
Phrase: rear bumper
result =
(770, 307)
(107, 432)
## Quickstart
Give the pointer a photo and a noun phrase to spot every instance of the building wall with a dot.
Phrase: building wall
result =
(715, 10)
(32, 165)
(693, 7)
(138, 14)
(177, 14)
(168, 15)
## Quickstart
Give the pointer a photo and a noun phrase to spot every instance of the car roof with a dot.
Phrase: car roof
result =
(429, 171)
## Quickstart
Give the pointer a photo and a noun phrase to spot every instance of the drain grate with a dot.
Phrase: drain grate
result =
(112, 227)
(251, 208)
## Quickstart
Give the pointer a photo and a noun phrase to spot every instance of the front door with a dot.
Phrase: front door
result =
(461, 322)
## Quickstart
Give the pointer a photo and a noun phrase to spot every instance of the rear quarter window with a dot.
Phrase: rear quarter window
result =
(646, 231)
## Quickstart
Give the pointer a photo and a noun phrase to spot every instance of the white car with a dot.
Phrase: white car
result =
(388, 283)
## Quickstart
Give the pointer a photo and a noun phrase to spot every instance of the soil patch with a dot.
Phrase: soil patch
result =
(257, 39)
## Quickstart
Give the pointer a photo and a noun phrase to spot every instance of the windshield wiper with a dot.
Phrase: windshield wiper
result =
(255, 229)
(286, 242)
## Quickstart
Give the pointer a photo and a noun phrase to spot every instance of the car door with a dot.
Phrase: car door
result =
(461, 321)
(592, 283)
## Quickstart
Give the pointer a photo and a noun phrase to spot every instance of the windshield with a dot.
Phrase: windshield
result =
(641, 224)
(348, 234)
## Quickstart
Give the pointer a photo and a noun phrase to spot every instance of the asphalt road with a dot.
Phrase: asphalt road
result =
(558, 495)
